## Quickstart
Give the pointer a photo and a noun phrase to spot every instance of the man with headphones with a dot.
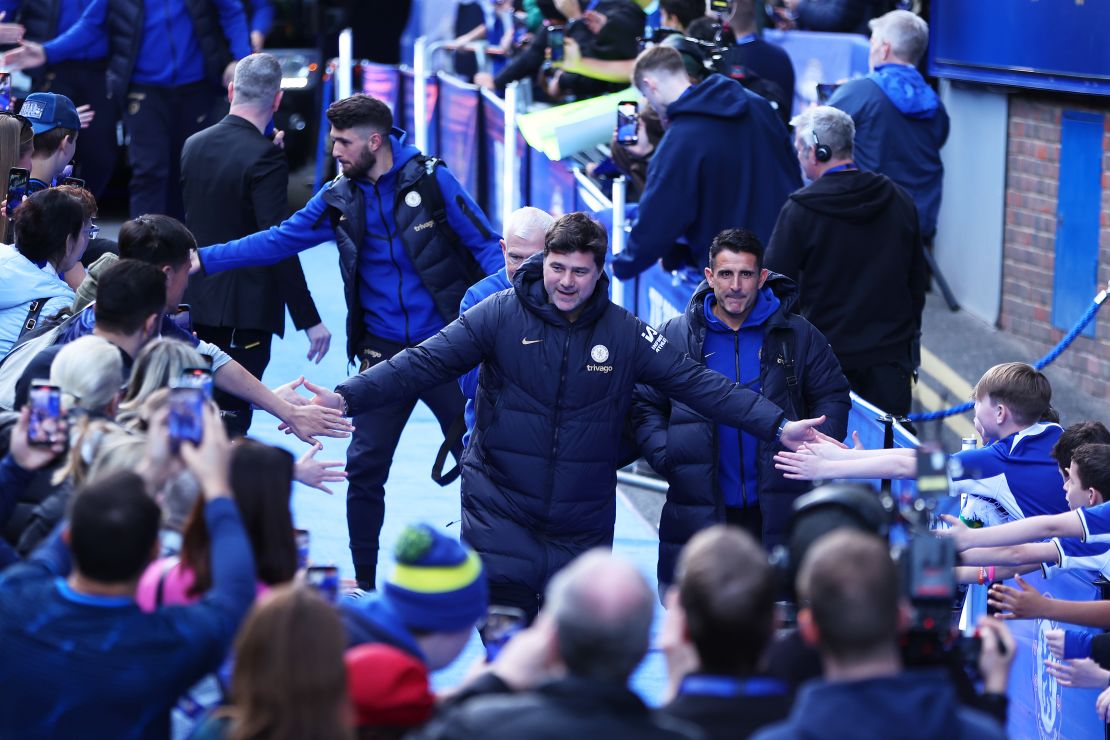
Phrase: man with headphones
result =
(851, 227)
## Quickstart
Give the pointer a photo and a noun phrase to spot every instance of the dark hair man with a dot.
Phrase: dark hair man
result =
(410, 241)
(723, 605)
(58, 621)
(130, 302)
(166, 63)
(49, 240)
(747, 50)
(852, 222)
(164, 242)
(852, 611)
(724, 161)
(56, 124)
(901, 123)
(740, 323)
(235, 182)
(569, 673)
(560, 361)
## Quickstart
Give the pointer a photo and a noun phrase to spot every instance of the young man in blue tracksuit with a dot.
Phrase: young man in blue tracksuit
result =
(741, 324)
(524, 235)
(169, 62)
(406, 261)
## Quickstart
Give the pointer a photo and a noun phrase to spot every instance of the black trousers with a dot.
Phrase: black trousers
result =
(370, 455)
(748, 518)
(887, 385)
(251, 349)
(84, 84)
(159, 120)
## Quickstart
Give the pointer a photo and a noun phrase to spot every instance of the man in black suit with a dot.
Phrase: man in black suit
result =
(235, 181)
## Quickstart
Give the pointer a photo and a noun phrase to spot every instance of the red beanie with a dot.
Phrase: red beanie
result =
(388, 687)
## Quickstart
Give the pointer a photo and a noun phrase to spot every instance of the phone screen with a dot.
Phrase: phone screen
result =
(18, 180)
(502, 622)
(183, 318)
(197, 377)
(325, 579)
(186, 414)
(555, 44)
(718, 6)
(628, 120)
(5, 91)
(46, 425)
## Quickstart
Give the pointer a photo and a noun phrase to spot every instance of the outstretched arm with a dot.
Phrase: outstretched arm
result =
(1012, 533)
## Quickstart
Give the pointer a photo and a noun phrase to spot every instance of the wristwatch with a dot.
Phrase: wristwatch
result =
(782, 428)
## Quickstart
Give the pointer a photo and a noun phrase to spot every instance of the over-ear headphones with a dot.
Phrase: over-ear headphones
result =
(821, 151)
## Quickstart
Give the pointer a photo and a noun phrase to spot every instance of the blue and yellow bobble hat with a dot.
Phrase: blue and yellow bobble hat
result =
(437, 584)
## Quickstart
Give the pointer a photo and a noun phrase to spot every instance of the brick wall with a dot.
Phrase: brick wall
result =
(1032, 178)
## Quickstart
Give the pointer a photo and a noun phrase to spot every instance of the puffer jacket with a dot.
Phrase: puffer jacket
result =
(539, 476)
(681, 443)
(21, 283)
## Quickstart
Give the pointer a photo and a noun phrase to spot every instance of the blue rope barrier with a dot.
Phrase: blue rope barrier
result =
(1040, 364)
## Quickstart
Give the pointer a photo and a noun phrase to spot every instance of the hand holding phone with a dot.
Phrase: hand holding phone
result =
(628, 122)
(186, 412)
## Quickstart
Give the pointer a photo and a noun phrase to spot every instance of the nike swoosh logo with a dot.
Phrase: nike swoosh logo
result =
(709, 355)
(530, 341)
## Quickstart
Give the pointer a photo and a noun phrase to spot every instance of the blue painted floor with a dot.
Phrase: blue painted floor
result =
(410, 493)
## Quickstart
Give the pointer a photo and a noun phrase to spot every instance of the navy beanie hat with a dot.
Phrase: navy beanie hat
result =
(437, 584)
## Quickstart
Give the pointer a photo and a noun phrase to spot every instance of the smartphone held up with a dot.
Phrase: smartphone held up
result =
(46, 426)
(628, 122)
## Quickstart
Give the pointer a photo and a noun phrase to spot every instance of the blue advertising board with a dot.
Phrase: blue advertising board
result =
(493, 120)
(551, 185)
(1041, 708)
(1057, 46)
(460, 138)
(381, 81)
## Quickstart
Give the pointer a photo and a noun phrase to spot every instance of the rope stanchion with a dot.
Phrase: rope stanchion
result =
(1040, 364)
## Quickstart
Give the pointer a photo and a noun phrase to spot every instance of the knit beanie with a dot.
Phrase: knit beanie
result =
(387, 687)
(437, 584)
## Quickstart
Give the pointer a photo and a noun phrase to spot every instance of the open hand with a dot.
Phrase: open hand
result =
(27, 55)
(1026, 603)
(1055, 641)
(1083, 673)
(315, 473)
(10, 33)
(797, 433)
(319, 339)
(800, 465)
(27, 455)
(85, 114)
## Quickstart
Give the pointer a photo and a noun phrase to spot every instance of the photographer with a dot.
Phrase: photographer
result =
(852, 613)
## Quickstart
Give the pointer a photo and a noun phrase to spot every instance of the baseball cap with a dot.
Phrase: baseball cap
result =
(437, 584)
(48, 111)
(387, 687)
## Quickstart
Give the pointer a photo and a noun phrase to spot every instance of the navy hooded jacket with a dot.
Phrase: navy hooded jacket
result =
(901, 126)
(685, 447)
(725, 161)
(914, 705)
(539, 475)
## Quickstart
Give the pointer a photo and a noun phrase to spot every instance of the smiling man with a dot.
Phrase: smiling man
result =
(410, 242)
(559, 364)
(741, 323)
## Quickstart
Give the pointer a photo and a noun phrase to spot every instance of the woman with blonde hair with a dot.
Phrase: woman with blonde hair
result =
(159, 363)
(17, 144)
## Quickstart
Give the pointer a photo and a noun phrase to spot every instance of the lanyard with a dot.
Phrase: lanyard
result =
(841, 168)
(728, 687)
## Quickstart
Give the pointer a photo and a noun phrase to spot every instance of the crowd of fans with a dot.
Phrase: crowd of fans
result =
(153, 580)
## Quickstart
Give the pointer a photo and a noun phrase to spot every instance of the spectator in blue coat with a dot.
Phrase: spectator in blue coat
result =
(559, 364)
(901, 124)
(524, 235)
(724, 162)
(80, 658)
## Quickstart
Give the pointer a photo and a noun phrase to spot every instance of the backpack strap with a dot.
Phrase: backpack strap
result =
(34, 310)
(792, 388)
(450, 439)
(428, 187)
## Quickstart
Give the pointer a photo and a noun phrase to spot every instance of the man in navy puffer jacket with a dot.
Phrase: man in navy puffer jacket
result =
(741, 324)
(559, 362)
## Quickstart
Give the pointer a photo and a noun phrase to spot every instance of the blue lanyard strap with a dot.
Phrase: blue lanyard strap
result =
(841, 168)
(727, 687)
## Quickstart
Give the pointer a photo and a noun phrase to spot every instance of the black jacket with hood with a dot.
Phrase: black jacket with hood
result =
(539, 475)
(851, 242)
(681, 444)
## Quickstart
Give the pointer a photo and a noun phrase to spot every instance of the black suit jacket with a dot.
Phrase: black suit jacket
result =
(235, 182)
